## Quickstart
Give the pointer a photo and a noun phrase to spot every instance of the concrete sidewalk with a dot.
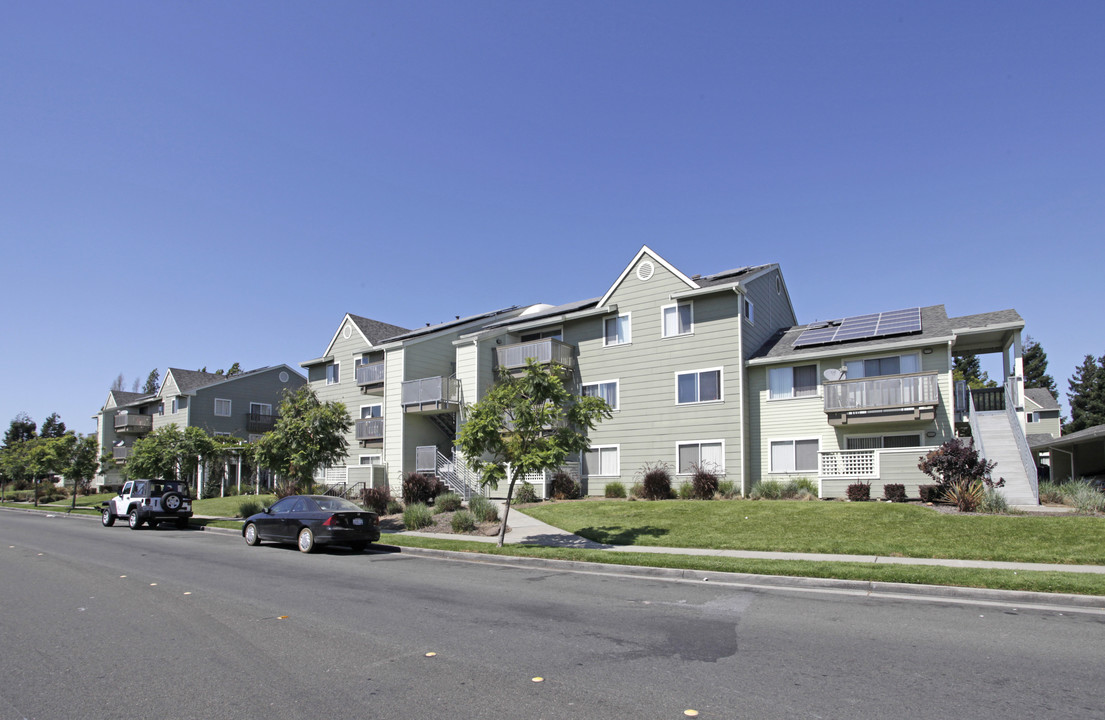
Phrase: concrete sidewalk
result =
(526, 530)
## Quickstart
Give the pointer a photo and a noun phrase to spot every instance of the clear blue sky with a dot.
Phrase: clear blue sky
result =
(197, 183)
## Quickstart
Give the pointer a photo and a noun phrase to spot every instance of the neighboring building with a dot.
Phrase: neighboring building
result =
(1041, 411)
(242, 405)
(1077, 456)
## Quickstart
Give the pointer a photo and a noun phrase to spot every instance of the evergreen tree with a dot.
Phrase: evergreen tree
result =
(1035, 367)
(22, 428)
(52, 427)
(1087, 395)
(967, 367)
(151, 387)
(118, 383)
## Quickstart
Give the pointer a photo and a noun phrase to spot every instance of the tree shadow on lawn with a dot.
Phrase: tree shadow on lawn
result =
(623, 535)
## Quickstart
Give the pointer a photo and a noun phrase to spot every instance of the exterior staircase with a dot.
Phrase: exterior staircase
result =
(998, 437)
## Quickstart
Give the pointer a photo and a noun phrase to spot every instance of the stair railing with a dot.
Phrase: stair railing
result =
(1019, 437)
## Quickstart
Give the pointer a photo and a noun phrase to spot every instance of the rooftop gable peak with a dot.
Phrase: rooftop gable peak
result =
(644, 252)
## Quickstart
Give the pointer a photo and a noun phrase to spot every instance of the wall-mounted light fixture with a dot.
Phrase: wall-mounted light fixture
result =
(931, 434)
(927, 351)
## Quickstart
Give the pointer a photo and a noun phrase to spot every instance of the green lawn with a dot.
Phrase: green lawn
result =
(832, 527)
(228, 506)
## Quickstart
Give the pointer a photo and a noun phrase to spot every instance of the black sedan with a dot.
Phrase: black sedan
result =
(313, 520)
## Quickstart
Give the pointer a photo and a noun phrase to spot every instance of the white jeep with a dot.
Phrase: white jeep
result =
(150, 502)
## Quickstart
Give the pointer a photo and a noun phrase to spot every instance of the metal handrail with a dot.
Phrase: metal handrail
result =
(437, 389)
(1020, 439)
(370, 373)
(882, 392)
(544, 351)
(369, 429)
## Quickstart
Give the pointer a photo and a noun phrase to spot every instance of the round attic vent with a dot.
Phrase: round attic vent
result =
(283, 376)
(645, 270)
(347, 331)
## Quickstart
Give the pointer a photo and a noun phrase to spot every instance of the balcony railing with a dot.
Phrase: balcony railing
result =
(883, 393)
(133, 423)
(859, 464)
(121, 454)
(260, 422)
(370, 374)
(544, 351)
(432, 391)
(370, 429)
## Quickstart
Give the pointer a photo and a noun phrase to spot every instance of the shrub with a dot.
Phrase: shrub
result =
(958, 463)
(447, 502)
(859, 491)
(805, 495)
(377, 498)
(767, 490)
(564, 486)
(636, 491)
(966, 495)
(727, 489)
(417, 516)
(655, 481)
(523, 494)
(1083, 497)
(993, 502)
(703, 483)
(930, 493)
(285, 488)
(614, 490)
(685, 491)
(463, 521)
(419, 488)
(248, 507)
(483, 509)
(894, 492)
(394, 507)
(1051, 493)
(806, 484)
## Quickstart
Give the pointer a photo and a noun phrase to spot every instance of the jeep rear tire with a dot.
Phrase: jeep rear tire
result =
(107, 518)
(133, 520)
(171, 502)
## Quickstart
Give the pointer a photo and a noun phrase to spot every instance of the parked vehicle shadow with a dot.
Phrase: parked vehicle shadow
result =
(562, 541)
(622, 536)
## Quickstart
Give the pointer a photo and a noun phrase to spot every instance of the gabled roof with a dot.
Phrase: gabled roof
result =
(374, 331)
(1042, 397)
(123, 398)
(190, 380)
(730, 276)
(1097, 432)
(646, 250)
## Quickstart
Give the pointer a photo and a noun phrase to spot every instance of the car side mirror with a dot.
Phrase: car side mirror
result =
(265, 510)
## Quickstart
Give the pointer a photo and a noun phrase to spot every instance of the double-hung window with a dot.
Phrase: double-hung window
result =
(792, 382)
(749, 311)
(371, 411)
(708, 455)
(891, 365)
(222, 407)
(333, 373)
(698, 386)
(615, 330)
(607, 390)
(601, 461)
(788, 456)
(677, 319)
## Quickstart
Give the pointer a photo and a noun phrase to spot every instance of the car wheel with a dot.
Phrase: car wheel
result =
(107, 518)
(171, 501)
(251, 535)
(306, 540)
(133, 520)
(182, 523)
(358, 547)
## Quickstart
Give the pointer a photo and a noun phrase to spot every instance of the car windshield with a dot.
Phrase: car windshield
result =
(336, 503)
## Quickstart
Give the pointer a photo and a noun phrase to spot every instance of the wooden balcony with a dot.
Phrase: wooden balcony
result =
(258, 423)
(545, 351)
(132, 423)
(882, 399)
(369, 430)
(370, 374)
(432, 394)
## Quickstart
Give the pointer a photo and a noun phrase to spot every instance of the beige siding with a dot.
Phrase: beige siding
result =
(393, 419)
(772, 310)
(895, 467)
(345, 352)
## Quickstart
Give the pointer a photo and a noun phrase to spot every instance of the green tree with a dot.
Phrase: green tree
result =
(967, 367)
(119, 383)
(170, 454)
(308, 435)
(79, 461)
(1087, 395)
(14, 457)
(52, 427)
(1035, 367)
(151, 387)
(525, 424)
(21, 428)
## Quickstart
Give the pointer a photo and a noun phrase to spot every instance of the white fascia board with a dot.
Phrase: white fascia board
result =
(988, 328)
(346, 319)
(633, 263)
(736, 287)
(850, 351)
(317, 361)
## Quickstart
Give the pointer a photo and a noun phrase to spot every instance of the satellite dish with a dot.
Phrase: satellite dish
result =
(833, 374)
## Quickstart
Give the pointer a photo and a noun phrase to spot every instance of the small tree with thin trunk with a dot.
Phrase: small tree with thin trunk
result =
(525, 424)
(308, 435)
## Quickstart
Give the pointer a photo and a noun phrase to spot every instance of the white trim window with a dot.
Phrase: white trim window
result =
(366, 460)
(602, 461)
(706, 454)
(888, 365)
(749, 310)
(256, 408)
(792, 382)
(372, 411)
(333, 373)
(616, 330)
(554, 333)
(222, 407)
(792, 456)
(676, 320)
(605, 389)
(698, 386)
(161, 408)
(175, 407)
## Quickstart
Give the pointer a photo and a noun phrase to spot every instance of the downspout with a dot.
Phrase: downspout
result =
(743, 414)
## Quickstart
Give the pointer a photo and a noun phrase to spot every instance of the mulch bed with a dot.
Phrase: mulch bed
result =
(443, 524)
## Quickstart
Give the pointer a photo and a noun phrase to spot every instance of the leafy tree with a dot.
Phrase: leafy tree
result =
(22, 428)
(52, 427)
(960, 472)
(118, 383)
(151, 387)
(526, 424)
(235, 369)
(1035, 367)
(169, 454)
(79, 461)
(308, 435)
(1087, 395)
(967, 367)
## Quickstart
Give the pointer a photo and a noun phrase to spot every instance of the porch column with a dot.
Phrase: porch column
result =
(1018, 379)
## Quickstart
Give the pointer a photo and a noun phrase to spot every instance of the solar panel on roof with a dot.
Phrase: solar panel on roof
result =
(862, 327)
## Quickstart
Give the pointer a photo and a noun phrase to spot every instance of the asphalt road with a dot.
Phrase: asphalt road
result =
(109, 622)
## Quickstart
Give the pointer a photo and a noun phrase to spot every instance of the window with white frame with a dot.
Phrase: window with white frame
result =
(372, 411)
(879, 442)
(602, 461)
(555, 334)
(369, 460)
(789, 456)
(792, 382)
(889, 365)
(749, 310)
(615, 330)
(677, 319)
(708, 455)
(161, 408)
(222, 407)
(333, 373)
(176, 408)
(698, 386)
(607, 390)
(260, 408)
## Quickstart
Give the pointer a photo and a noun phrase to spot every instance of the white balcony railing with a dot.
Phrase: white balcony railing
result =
(370, 429)
(430, 391)
(883, 393)
(370, 374)
(544, 351)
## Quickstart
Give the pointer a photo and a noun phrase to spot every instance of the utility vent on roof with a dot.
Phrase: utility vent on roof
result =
(645, 270)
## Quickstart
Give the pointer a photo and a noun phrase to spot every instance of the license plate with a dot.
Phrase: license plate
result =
(358, 521)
